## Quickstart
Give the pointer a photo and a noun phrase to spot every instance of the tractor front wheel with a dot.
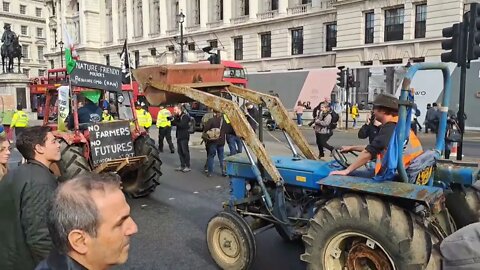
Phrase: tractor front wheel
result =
(72, 162)
(144, 180)
(230, 241)
(357, 232)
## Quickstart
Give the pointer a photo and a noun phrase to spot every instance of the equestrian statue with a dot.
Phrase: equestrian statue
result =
(11, 49)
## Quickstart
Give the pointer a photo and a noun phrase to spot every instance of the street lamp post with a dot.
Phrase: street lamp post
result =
(61, 53)
(181, 20)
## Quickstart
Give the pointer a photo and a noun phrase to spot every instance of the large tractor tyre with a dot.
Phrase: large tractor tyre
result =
(473, 200)
(463, 207)
(230, 241)
(145, 179)
(363, 232)
(72, 162)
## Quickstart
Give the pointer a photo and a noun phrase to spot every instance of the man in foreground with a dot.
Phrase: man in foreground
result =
(90, 224)
(25, 195)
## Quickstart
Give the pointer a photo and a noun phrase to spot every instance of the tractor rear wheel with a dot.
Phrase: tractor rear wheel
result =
(231, 241)
(144, 180)
(473, 200)
(72, 162)
(363, 232)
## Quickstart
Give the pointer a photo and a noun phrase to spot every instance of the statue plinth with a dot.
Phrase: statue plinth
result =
(14, 89)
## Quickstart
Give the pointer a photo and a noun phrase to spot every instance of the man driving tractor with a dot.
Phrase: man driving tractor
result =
(385, 109)
(88, 113)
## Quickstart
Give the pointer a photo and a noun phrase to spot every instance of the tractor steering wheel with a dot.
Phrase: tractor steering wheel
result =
(340, 158)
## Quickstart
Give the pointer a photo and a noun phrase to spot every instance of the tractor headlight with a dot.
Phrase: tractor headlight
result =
(120, 98)
(248, 186)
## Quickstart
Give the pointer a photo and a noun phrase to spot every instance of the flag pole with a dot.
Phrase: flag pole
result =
(132, 104)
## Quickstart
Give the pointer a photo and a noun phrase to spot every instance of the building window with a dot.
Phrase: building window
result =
(244, 7)
(23, 9)
(331, 40)
(196, 12)
(274, 5)
(107, 59)
(219, 10)
(297, 41)
(304, 2)
(24, 30)
(40, 52)
(52, 64)
(394, 24)
(238, 48)
(6, 6)
(41, 72)
(138, 18)
(38, 12)
(153, 52)
(137, 59)
(369, 27)
(26, 71)
(25, 51)
(40, 32)
(213, 43)
(171, 48)
(155, 17)
(191, 46)
(266, 45)
(420, 20)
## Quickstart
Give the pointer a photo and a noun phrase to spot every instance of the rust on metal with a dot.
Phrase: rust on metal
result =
(231, 109)
(362, 256)
(279, 114)
(175, 74)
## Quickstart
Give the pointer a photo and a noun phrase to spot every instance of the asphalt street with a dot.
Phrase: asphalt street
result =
(172, 221)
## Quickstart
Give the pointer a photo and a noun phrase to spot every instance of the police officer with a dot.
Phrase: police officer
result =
(164, 124)
(144, 118)
(106, 117)
(19, 120)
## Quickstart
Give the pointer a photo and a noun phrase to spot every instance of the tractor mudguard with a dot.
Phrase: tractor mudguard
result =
(433, 197)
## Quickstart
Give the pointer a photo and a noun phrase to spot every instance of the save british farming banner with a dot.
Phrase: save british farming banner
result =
(96, 76)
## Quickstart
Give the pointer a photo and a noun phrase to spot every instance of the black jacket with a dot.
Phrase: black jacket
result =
(183, 123)
(25, 194)
(368, 131)
(57, 261)
(89, 113)
(215, 122)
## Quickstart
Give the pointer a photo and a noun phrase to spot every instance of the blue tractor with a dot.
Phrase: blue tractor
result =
(345, 222)
(348, 222)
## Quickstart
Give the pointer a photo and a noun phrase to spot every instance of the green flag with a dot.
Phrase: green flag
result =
(70, 52)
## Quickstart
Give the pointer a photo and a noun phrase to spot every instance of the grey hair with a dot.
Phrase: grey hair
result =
(73, 208)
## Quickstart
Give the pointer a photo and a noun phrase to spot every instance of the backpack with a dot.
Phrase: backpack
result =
(334, 121)
(191, 124)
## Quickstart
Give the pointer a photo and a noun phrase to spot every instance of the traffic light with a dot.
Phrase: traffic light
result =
(341, 77)
(456, 35)
(350, 80)
(473, 48)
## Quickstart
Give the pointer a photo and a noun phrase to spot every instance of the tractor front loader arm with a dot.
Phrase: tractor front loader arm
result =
(237, 118)
(279, 114)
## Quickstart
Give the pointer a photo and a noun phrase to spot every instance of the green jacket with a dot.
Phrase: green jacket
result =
(25, 194)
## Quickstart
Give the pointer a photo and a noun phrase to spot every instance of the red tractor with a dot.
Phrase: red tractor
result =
(139, 170)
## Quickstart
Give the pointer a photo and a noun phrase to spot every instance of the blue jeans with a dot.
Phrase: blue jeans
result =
(299, 119)
(234, 144)
(212, 150)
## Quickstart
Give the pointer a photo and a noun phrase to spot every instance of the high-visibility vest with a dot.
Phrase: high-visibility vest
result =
(106, 117)
(144, 118)
(412, 150)
(225, 117)
(162, 118)
(19, 119)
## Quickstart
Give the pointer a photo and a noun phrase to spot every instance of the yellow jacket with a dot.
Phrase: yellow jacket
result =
(19, 119)
(354, 111)
(162, 118)
(144, 118)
